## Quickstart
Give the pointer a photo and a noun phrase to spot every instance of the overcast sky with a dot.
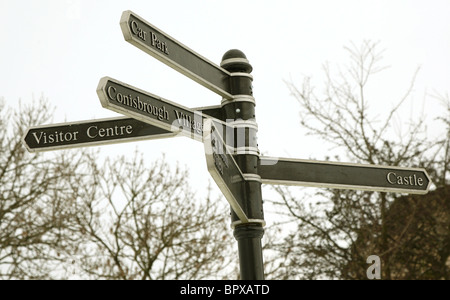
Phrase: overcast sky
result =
(61, 48)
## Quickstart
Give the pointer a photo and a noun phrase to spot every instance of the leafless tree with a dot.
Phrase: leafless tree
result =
(333, 224)
(34, 192)
(442, 163)
(68, 215)
(142, 221)
(419, 239)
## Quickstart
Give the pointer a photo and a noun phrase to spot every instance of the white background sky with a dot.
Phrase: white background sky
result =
(61, 48)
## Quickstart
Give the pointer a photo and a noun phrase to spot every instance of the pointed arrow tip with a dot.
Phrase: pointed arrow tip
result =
(101, 91)
(430, 182)
(24, 140)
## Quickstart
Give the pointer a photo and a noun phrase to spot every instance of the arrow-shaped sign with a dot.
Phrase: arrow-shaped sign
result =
(149, 108)
(168, 50)
(99, 132)
(344, 176)
(223, 168)
(90, 133)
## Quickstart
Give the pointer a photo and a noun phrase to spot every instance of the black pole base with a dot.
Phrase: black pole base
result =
(250, 255)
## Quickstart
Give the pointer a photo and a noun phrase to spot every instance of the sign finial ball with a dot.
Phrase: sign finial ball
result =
(235, 61)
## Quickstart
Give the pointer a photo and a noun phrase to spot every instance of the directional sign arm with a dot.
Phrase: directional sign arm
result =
(223, 168)
(344, 176)
(99, 132)
(151, 109)
(171, 52)
(90, 133)
(154, 110)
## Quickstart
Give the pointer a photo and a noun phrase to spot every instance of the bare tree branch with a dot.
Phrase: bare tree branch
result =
(337, 234)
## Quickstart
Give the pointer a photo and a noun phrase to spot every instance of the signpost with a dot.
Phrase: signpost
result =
(166, 49)
(344, 176)
(236, 166)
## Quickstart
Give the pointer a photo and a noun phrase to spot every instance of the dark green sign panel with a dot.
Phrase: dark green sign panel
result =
(344, 176)
(223, 168)
(90, 133)
(149, 108)
(166, 49)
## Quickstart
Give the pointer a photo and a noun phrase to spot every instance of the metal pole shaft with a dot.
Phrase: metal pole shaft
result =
(241, 113)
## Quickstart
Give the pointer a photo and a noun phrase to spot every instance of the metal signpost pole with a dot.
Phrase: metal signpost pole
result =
(240, 114)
